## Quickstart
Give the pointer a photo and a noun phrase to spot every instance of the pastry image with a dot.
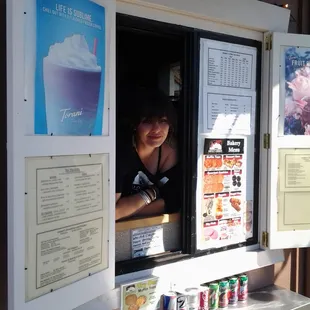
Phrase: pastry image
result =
(213, 183)
(219, 209)
(133, 307)
(213, 163)
(141, 301)
(235, 203)
(131, 299)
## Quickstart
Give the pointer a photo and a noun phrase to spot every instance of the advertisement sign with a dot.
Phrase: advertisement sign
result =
(297, 91)
(70, 67)
(224, 208)
(143, 294)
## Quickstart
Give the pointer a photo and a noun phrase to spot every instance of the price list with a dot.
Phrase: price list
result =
(229, 69)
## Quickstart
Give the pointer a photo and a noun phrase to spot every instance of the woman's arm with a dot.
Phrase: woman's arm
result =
(135, 205)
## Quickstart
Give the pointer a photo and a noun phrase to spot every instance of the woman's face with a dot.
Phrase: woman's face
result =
(153, 131)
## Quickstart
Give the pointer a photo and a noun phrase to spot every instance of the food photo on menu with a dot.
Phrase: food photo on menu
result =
(147, 170)
(297, 91)
(225, 214)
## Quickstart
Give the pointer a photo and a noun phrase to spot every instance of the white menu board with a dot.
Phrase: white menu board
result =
(228, 111)
(66, 220)
(147, 241)
(227, 108)
(227, 87)
(229, 68)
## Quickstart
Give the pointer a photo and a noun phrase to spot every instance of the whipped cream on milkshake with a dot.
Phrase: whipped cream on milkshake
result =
(72, 85)
(73, 53)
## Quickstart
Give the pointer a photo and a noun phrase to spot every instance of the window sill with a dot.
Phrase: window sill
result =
(149, 221)
(201, 270)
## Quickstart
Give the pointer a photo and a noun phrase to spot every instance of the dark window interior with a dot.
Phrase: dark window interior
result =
(144, 59)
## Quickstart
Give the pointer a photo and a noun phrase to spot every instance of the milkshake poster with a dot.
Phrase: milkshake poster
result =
(70, 68)
(297, 91)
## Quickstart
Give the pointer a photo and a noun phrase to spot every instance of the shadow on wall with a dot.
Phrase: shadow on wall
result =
(292, 274)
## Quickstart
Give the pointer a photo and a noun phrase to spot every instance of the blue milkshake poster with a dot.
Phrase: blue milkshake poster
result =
(70, 68)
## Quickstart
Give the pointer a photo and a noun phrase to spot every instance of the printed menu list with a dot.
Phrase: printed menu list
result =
(68, 191)
(67, 251)
(223, 191)
(229, 69)
(228, 112)
(67, 217)
(147, 241)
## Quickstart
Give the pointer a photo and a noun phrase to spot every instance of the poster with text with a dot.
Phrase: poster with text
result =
(142, 294)
(70, 68)
(223, 204)
(297, 91)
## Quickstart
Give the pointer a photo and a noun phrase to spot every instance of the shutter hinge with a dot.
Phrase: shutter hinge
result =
(265, 239)
(267, 141)
(268, 41)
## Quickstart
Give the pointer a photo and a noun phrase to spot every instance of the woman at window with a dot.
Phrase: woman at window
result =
(147, 172)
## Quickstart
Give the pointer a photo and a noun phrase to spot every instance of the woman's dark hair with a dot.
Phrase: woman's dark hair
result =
(146, 103)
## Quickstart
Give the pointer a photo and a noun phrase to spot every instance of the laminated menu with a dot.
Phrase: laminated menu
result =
(223, 190)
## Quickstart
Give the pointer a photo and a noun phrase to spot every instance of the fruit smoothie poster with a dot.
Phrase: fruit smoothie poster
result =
(297, 91)
(70, 68)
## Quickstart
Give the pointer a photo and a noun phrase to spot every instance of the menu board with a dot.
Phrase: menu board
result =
(68, 191)
(228, 111)
(229, 68)
(67, 220)
(147, 241)
(224, 202)
(142, 294)
(294, 189)
(226, 144)
(227, 87)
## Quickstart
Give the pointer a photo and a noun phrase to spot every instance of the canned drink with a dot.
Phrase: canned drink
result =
(170, 301)
(233, 291)
(192, 298)
(182, 302)
(213, 296)
(243, 288)
(223, 294)
(204, 298)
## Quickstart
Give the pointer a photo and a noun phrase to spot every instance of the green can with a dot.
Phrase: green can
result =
(233, 291)
(243, 288)
(213, 296)
(223, 294)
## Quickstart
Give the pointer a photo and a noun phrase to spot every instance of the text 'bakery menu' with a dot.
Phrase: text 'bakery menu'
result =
(68, 191)
(67, 251)
(223, 203)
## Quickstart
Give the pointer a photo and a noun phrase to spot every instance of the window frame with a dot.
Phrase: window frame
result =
(189, 133)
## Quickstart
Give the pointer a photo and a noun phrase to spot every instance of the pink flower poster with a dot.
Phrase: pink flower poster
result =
(297, 91)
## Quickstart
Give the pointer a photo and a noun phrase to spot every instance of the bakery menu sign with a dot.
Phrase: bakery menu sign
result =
(143, 294)
(223, 191)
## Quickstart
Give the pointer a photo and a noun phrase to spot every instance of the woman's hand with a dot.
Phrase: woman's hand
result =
(136, 205)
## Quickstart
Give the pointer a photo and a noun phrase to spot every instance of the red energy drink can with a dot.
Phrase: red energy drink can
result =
(223, 294)
(233, 291)
(170, 301)
(203, 298)
(243, 288)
